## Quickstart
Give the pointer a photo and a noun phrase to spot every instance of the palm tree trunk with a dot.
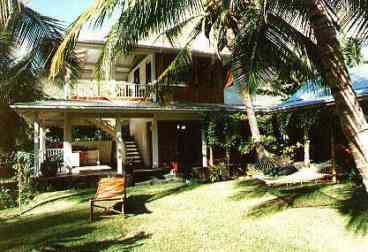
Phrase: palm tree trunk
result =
(211, 156)
(306, 148)
(335, 73)
(247, 99)
(252, 120)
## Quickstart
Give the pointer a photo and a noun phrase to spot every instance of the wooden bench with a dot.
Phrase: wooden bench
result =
(110, 189)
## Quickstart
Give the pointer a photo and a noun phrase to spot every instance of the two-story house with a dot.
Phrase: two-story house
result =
(148, 128)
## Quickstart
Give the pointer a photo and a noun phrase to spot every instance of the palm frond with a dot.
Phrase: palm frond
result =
(283, 47)
(8, 8)
(354, 16)
(183, 58)
(143, 20)
(97, 13)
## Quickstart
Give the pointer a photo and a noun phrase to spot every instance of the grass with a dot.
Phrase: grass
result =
(228, 216)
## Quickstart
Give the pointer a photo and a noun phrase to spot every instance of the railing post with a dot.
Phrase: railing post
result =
(67, 86)
(134, 90)
(113, 86)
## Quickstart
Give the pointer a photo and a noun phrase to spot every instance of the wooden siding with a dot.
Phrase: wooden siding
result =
(205, 83)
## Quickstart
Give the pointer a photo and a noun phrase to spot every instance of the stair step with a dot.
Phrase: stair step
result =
(135, 162)
(132, 153)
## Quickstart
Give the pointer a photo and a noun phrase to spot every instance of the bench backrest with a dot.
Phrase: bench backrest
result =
(110, 187)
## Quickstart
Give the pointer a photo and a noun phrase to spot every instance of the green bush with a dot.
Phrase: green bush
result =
(24, 172)
(218, 172)
(6, 198)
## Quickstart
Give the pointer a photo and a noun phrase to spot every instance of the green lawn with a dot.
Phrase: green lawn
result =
(236, 215)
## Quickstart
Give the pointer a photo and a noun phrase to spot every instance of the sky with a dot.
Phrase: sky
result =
(67, 11)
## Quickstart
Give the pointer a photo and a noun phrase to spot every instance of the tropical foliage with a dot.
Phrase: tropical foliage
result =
(265, 36)
(27, 43)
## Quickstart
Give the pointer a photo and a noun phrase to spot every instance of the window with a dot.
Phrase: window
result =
(148, 72)
(136, 77)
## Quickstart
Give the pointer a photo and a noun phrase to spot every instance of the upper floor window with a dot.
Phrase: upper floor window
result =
(136, 76)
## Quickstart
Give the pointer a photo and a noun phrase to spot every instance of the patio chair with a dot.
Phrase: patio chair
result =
(110, 189)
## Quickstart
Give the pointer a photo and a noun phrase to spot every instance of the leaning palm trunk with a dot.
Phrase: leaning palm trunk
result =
(336, 75)
(245, 94)
(252, 120)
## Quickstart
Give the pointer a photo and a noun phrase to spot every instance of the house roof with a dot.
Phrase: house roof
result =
(313, 94)
(121, 106)
(260, 102)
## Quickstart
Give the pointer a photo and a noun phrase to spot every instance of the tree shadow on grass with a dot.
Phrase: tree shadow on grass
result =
(136, 203)
(248, 189)
(350, 203)
(123, 243)
(30, 230)
(176, 190)
(355, 209)
(62, 227)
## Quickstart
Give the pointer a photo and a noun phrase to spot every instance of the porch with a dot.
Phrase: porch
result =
(164, 134)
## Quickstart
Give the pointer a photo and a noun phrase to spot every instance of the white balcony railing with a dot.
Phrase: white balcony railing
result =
(109, 89)
(121, 89)
(132, 90)
(55, 153)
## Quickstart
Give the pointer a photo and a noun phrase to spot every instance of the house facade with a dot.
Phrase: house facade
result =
(149, 125)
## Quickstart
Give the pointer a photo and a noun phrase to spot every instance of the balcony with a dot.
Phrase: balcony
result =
(92, 89)
(115, 89)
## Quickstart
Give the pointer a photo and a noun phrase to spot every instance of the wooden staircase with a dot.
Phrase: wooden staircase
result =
(105, 126)
(133, 156)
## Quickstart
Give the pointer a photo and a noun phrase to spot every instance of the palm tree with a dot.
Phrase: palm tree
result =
(169, 18)
(268, 35)
(27, 42)
(315, 24)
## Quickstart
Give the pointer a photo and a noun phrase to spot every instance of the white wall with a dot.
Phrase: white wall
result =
(138, 129)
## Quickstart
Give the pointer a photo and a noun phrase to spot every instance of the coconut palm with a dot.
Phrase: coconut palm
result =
(268, 35)
(27, 42)
(319, 21)
(220, 21)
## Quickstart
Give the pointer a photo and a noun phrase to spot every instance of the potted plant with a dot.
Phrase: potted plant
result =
(49, 167)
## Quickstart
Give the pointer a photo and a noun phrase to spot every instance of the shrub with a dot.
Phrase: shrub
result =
(24, 171)
(6, 198)
(218, 172)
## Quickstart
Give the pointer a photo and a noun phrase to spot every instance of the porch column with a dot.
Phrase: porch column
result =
(155, 160)
(42, 144)
(36, 145)
(67, 144)
(204, 150)
(120, 150)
